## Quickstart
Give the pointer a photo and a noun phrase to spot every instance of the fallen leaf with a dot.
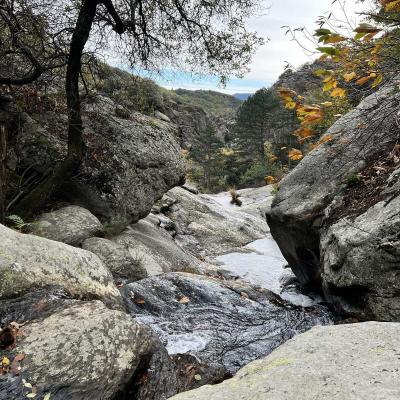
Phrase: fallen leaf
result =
(325, 139)
(31, 395)
(363, 80)
(184, 300)
(15, 325)
(5, 361)
(349, 76)
(197, 377)
(139, 300)
(338, 92)
(382, 169)
(19, 357)
(47, 396)
(377, 81)
(189, 368)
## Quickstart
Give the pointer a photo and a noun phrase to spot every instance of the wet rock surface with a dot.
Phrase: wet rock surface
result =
(178, 330)
(358, 361)
(223, 323)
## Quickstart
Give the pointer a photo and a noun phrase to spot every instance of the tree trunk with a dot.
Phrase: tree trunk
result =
(50, 184)
(3, 154)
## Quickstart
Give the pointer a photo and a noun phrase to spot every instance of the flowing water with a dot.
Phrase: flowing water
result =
(261, 263)
(216, 325)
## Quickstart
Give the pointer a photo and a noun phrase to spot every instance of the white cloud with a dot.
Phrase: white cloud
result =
(270, 59)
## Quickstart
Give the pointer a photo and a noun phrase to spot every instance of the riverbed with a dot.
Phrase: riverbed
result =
(260, 262)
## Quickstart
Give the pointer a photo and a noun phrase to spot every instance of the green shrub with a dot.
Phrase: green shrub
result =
(353, 180)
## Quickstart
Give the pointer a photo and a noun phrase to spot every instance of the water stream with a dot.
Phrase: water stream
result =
(261, 263)
(216, 325)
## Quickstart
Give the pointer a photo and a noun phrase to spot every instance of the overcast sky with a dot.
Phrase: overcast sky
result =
(270, 60)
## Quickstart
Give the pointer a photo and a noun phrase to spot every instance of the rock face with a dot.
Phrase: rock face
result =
(224, 324)
(71, 225)
(28, 262)
(358, 361)
(205, 227)
(308, 201)
(361, 263)
(192, 122)
(117, 258)
(85, 351)
(131, 160)
(155, 248)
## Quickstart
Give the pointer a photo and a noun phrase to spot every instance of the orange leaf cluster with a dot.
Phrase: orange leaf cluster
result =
(391, 5)
(270, 180)
(295, 154)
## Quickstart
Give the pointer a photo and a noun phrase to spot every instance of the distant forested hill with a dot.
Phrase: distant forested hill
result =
(216, 103)
(242, 96)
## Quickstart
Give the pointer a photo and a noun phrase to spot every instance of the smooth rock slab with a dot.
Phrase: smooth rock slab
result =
(70, 225)
(156, 250)
(208, 227)
(352, 362)
(86, 351)
(222, 323)
(28, 262)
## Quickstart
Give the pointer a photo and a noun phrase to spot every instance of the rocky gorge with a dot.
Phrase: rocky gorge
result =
(140, 306)
(133, 285)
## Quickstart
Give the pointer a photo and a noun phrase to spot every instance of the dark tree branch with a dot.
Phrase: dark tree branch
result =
(119, 26)
(37, 68)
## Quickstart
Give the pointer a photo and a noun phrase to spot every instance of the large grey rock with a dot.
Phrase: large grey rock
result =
(117, 258)
(192, 122)
(223, 324)
(71, 225)
(129, 163)
(206, 225)
(85, 351)
(299, 207)
(361, 263)
(160, 115)
(156, 250)
(257, 201)
(28, 262)
(351, 362)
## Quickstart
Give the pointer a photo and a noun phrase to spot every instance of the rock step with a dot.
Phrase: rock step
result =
(352, 362)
